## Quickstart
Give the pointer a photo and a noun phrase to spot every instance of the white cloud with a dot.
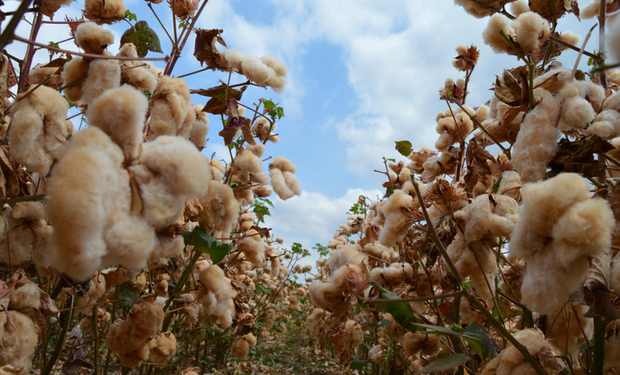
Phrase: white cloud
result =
(313, 215)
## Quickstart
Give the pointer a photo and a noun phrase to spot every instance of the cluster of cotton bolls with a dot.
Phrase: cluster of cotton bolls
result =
(266, 71)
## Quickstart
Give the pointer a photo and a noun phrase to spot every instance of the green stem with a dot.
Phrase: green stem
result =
(180, 285)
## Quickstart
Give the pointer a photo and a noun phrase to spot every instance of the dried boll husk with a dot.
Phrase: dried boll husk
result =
(18, 341)
(220, 209)
(93, 38)
(173, 111)
(47, 76)
(283, 180)
(511, 361)
(421, 343)
(169, 171)
(536, 142)
(566, 332)
(96, 9)
(27, 229)
(560, 228)
(612, 348)
(140, 74)
(28, 296)
(510, 185)
(89, 207)
(124, 124)
(399, 212)
(162, 347)
(38, 128)
(263, 129)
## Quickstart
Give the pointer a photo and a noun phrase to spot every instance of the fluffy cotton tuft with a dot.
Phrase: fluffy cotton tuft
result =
(93, 38)
(266, 71)
(173, 110)
(283, 180)
(94, 9)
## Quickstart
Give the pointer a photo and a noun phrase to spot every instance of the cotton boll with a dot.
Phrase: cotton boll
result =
(584, 230)
(510, 185)
(576, 113)
(613, 38)
(93, 38)
(45, 76)
(18, 342)
(253, 248)
(124, 124)
(519, 7)
(200, 128)
(606, 124)
(173, 111)
(492, 37)
(103, 74)
(399, 212)
(566, 334)
(241, 349)
(94, 9)
(28, 296)
(347, 255)
(27, 229)
(38, 128)
(283, 180)
(612, 348)
(220, 209)
(326, 296)
(479, 262)
(89, 201)
(489, 216)
(162, 347)
(73, 74)
(531, 31)
(478, 10)
(420, 343)
(536, 142)
(96, 290)
(355, 333)
(234, 57)
(169, 171)
(140, 74)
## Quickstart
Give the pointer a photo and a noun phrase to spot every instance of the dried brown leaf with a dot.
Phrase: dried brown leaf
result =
(206, 51)
(340, 338)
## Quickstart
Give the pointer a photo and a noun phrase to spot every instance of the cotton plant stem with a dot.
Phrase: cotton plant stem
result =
(60, 342)
(601, 41)
(599, 346)
(185, 36)
(25, 68)
(470, 297)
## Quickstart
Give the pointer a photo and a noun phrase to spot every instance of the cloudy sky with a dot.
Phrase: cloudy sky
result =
(361, 75)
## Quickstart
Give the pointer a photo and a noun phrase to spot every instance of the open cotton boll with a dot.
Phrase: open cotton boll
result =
(96, 290)
(489, 216)
(140, 74)
(399, 214)
(124, 124)
(566, 334)
(200, 128)
(45, 76)
(283, 180)
(73, 74)
(510, 185)
(173, 111)
(476, 261)
(89, 207)
(326, 296)
(253, 248)
(18, 342)
(93, 38)
(220, 209)
(607, 123)
(27, 229)
(169, 171)
(536, 142)
(481, 9)
(250, 166)
(94, 9)
(519, 7)
(234, 57)
(162, 347)
(38, 128)
(103, 75)
(217, 295)
(349, 254)
(531, 31)
(584, 230)
(492, 37)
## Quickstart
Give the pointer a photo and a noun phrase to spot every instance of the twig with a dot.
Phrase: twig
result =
(89, 55)
(583, 47)
(601, 41)
(7, 34)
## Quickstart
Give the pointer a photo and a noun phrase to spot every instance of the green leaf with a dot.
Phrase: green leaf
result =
(404, 147)
(129, 291)
(297, 248)
(269, 104)
(445, 363)
(143, 37)
(496, 185)
(401, 311)
(263, 289)
(358, 364)
(130, 16)
(207, 244)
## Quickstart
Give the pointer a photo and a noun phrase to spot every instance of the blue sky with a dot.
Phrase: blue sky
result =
(362, 74)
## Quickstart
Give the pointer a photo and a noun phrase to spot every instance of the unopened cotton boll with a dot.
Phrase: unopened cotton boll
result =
(38, 128)
(124, 124)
